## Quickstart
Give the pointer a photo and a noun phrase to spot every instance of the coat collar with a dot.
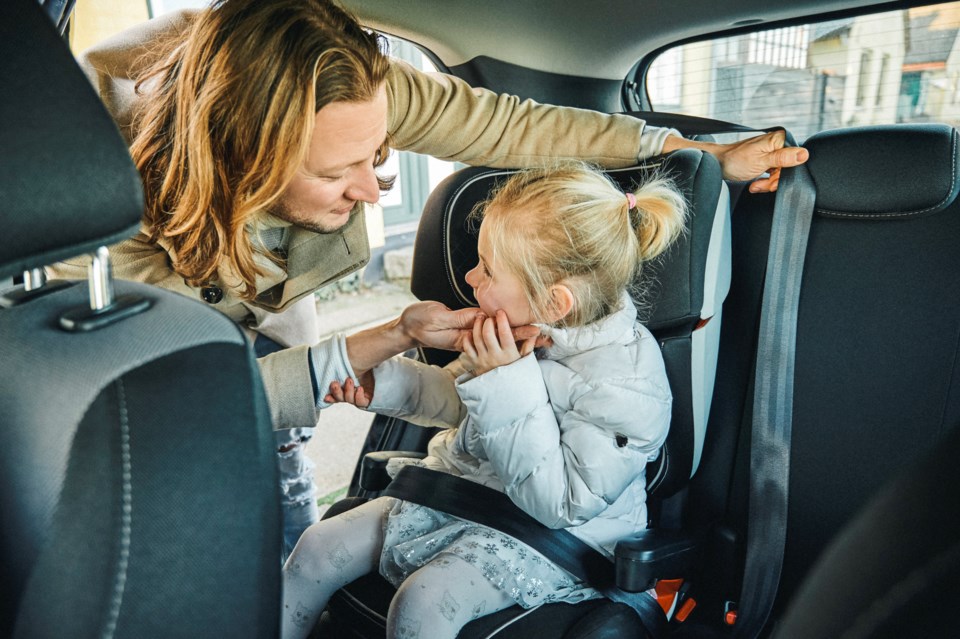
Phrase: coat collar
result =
(313, 260)
(616, 328)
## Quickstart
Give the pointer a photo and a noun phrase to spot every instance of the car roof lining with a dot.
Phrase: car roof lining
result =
(606, 44)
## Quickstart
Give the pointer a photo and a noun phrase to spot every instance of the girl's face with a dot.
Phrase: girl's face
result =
(496, 288)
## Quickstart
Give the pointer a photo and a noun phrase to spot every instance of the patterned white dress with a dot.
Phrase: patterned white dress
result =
(415, 535)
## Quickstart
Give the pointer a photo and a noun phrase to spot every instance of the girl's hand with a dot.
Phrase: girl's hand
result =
(491, 344)
(350, 393)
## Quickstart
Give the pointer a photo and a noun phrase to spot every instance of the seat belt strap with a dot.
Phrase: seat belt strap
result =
(471, 501)
(480, 504)
(773, 399)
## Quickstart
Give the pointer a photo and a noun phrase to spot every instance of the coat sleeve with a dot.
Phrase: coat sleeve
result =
(564, 471)
(443, 116)
(421, 394)
(112, 66)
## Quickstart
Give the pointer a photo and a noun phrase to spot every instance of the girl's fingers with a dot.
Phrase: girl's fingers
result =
(336, 393)
(467, 346)
(504, 332)
(349, 391)
(361, 398)
(478, 341)
(490, 333)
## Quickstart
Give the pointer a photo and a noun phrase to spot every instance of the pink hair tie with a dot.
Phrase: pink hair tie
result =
(631, 200)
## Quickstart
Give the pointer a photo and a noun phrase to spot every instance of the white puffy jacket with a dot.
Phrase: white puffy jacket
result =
(566, 435)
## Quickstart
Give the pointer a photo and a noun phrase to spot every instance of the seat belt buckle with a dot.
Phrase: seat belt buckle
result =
(674, 600)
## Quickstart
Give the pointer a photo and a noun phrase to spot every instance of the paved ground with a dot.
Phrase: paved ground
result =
(341, 430)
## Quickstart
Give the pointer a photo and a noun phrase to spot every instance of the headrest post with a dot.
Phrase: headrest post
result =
(33, 279)
(101, 280)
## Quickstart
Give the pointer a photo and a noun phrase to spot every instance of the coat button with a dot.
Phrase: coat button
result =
(211, 294)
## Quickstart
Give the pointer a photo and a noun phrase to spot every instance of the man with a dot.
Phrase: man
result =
(257, 128)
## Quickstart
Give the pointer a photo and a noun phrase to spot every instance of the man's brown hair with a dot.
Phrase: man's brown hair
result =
(228, 116)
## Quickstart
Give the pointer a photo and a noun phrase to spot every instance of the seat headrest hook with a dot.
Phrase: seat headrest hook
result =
(100, 279)
(34, 279)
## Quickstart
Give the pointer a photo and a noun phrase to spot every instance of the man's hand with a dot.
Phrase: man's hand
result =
(749, 158)
(434, 325)
(492, 343)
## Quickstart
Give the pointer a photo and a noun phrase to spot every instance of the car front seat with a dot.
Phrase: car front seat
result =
(137, 473)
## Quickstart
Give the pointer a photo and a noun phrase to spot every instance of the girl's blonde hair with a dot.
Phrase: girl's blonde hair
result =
(229, 120)
(570, 224)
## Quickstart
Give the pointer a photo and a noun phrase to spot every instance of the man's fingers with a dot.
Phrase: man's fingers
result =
(789, 156)
(766, 184)
(463, 318)
(528, 345)
(526, 331)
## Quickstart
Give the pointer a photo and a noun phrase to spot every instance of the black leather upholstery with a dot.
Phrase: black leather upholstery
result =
(885, 171)
(876, 381)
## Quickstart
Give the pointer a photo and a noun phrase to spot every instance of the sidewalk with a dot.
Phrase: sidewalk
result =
(342, 428)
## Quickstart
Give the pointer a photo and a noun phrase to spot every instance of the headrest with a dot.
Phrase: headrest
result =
(884, 172)
(446, 249)
(67, 184)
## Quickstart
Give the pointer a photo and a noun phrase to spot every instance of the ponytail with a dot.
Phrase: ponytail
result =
(659, 216)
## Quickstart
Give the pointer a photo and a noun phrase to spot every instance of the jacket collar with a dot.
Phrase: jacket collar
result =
(616, 328)
(312, 260)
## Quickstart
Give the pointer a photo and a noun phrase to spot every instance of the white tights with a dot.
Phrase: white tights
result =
(433, 603)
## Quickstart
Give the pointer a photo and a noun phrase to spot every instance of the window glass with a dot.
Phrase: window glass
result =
(900, 66)
(416, 174)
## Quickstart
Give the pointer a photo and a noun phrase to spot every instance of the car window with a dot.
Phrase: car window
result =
(899, 66)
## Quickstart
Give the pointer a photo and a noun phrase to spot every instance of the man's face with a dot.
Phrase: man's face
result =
(338, 171)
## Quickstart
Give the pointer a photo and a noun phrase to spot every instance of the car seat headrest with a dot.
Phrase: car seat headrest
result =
(884, 172)
(446, 249)
(67, 183)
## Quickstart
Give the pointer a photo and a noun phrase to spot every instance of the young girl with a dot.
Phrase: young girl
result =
(566, 432)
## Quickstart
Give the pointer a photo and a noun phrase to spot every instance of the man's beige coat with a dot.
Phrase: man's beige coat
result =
(433, 114)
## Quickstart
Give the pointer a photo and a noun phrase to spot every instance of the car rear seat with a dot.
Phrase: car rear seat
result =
(876, 381)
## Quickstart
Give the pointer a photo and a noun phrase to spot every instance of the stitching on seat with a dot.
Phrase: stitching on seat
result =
(953, 180)
(448, 218)
(126, 514)
(511, 621)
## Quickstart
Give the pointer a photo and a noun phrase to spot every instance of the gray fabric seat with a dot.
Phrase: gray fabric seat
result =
(137, 473)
